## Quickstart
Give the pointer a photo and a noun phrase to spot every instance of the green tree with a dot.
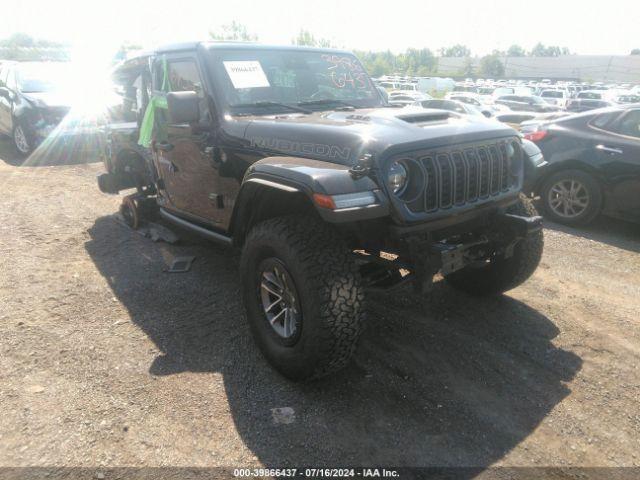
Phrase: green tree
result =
(635, 51)
(413, 61)
(455, 51)
(539, 50)
(306, 39)
(491, 66)
(234, 31)
(21, 46)
(516, 51)
(378, 67)
(468, 69)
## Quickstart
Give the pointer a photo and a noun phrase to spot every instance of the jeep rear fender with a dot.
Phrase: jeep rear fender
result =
(277, 186)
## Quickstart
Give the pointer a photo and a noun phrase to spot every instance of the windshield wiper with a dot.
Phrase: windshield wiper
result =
(267, 103)
(327, 101)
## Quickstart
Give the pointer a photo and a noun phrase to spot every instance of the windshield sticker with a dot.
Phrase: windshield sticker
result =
(246, 74)
(346, 72)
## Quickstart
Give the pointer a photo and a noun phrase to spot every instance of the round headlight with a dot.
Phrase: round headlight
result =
(397, 178)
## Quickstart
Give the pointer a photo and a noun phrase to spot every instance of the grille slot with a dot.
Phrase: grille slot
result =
(473, 175)
(459, 178)
(455, 178)
(431, 190)
(496, 168)
(445, 177)
(506, 168)
(484, 172)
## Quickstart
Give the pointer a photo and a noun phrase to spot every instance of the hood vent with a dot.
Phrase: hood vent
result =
(436, 116)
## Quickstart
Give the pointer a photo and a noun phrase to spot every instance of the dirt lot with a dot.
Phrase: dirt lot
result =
(106, 360)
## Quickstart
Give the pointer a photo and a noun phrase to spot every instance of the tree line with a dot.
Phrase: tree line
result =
(23, 47)
(413, 61)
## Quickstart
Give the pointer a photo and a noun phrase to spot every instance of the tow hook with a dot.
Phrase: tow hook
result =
(521, 226)
(362, 167)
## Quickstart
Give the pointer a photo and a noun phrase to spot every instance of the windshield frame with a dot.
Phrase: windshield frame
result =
(215, 70)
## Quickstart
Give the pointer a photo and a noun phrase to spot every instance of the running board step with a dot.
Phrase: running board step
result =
(197, 229)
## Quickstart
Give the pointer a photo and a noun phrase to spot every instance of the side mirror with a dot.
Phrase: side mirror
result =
(183, 107)
(5, 92)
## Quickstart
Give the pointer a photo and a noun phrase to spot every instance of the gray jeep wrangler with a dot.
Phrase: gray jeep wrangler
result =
(292, 155)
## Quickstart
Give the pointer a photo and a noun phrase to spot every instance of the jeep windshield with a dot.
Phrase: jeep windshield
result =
(258, 81)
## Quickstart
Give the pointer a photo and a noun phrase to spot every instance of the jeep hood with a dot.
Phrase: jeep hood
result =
(343, 136)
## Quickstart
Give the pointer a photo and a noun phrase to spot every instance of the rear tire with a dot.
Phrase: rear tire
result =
(503, 274)
(328, 298)
(567, 212)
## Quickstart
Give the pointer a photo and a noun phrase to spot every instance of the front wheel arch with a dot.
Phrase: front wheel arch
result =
(571, 164)
(259, 202)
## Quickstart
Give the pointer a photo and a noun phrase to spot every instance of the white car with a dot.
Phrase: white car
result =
(555, 97)
(407, 97)
(451, 106)
(488, 108)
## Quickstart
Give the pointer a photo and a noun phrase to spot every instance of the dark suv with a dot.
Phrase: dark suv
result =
(292, 155)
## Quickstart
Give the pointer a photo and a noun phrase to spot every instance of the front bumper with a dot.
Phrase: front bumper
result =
(466, 219)
(534, 171)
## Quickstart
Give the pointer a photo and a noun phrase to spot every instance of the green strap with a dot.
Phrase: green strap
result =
(149, 119)
(166, 82)
(148, 122)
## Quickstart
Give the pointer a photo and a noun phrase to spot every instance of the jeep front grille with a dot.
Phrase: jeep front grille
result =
(458, 176)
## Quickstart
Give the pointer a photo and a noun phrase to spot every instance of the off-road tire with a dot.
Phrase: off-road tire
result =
(593, 189)
(328, 284)
(502, 274)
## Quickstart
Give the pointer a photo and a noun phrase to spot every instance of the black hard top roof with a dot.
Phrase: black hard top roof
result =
(213, 45)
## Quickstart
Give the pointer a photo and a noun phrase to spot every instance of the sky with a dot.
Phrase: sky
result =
(93, 27)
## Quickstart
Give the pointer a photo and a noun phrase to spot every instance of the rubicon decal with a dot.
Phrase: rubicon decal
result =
(317, 149)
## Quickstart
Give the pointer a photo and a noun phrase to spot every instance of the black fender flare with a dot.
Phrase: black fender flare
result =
(297, 179)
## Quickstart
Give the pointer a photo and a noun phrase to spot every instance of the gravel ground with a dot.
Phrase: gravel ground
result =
(107, 360)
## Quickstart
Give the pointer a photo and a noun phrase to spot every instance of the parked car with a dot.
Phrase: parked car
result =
(626, 98)
(531, 125)
(512, 90)
(555, 97)
(465, 87)
(526, 103)
(406, 97)
(488, 109)
(290, 155)
(593, 165)
(515, 119)
(453, 106)
(589, 100)
(34, 98)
